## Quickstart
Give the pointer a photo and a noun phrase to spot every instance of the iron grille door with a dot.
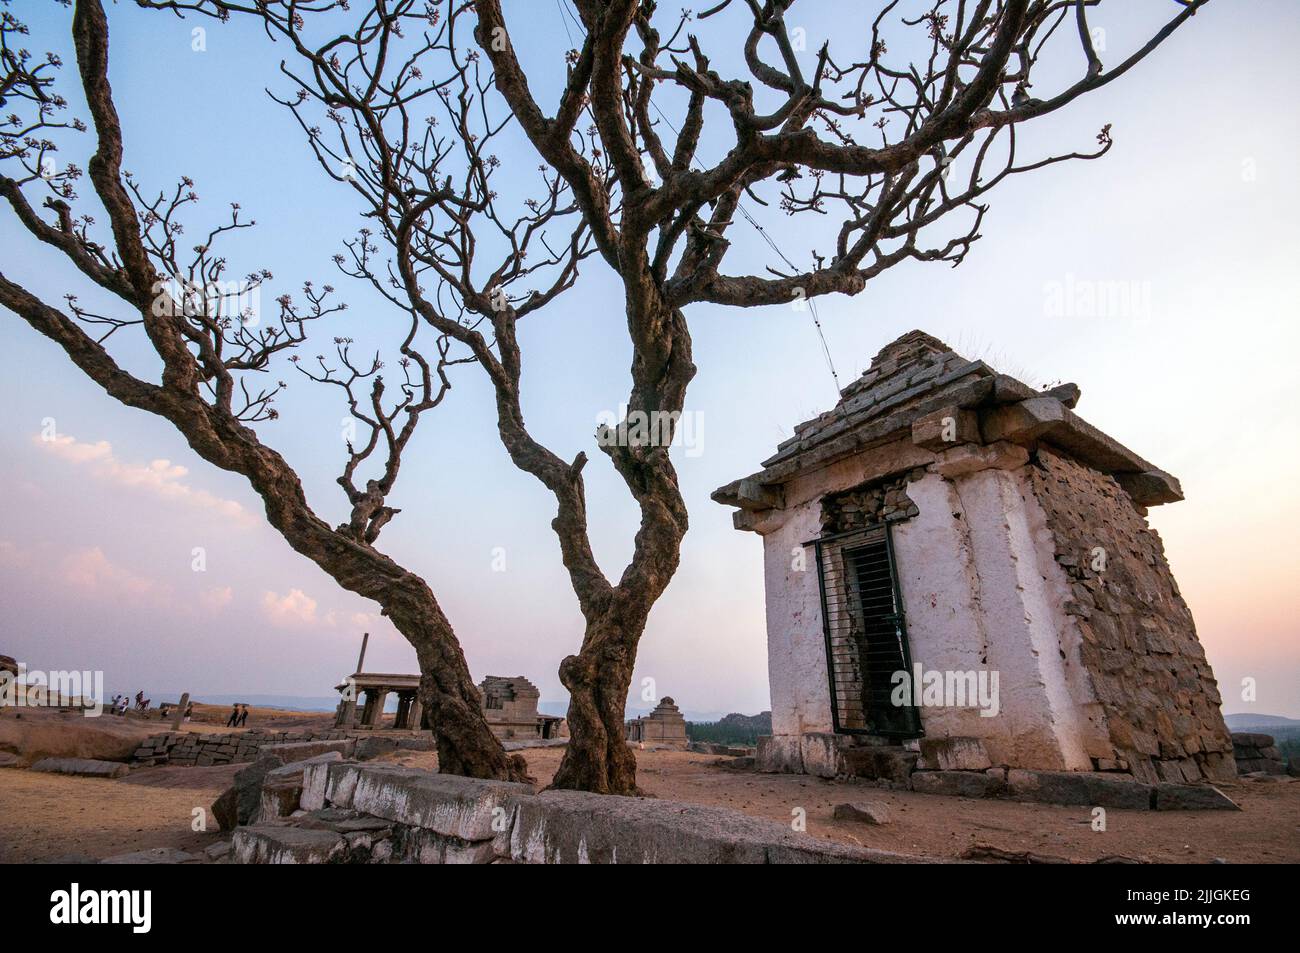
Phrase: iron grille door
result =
(866, 634)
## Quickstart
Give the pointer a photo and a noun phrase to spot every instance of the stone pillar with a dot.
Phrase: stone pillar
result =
(403, 719)
(375, 699)
(367, 708)
(179, 718)
(416, 718)
(347, 713)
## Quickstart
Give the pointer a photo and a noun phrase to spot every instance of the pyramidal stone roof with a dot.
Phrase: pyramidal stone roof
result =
(918, 375)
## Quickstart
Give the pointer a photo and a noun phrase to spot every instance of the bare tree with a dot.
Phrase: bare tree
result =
(871, 142)
(211, 349)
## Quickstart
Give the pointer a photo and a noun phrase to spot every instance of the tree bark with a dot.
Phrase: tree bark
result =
(597, 757)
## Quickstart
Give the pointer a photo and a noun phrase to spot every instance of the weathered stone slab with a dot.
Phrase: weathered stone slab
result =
(972, 458)
(945, 428)
(566, 827)
(1079, 787)
(1192, 797)
(428, 847)
(315, 777)
(974, 784)
(779, 754)
(84, 767)
(822, 753)
(453, 806)
(880, 763)
(954, 754)
(282, 787)
(276, 844)
(292, 751)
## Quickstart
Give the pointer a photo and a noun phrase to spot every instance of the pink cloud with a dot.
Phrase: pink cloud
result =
(162, 478)
(90, 571)
(295, 608)
(216, 599)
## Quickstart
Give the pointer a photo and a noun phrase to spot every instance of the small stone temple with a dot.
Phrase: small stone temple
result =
(376, 688)
(952, 554)
(510, 706)
(664, 726)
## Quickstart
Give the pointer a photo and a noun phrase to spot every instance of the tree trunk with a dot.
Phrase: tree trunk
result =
(598, 758)
(466, 745)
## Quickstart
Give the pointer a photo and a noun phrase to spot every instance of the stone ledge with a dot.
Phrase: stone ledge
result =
(386, 813)
(449, 805)
(279, 844)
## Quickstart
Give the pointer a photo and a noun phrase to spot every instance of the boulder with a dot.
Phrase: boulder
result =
(864, 812)
(240, 802)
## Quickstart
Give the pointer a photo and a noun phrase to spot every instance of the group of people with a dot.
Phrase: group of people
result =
(238, 716)
(121, 703)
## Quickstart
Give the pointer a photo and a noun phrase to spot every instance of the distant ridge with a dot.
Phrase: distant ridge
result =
(1252, 720)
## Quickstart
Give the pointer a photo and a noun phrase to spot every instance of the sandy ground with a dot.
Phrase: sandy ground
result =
(52, 817)
(44, 816)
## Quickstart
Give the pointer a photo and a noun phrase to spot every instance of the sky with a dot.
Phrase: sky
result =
(122, 551)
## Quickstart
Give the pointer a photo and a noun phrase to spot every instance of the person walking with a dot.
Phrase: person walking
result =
(233, 720)
(243, 718)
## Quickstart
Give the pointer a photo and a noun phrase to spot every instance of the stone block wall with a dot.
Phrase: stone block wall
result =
(1140, 648)
(195, 749)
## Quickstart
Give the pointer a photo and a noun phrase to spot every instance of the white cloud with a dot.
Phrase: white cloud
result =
(162, 478)
(295, 608)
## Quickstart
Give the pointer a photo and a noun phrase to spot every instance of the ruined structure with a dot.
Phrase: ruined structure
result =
(376, 688)
(952, 523)
(510, 706)
(664, 726)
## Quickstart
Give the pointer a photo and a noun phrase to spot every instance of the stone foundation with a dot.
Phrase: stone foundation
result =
(960, 767)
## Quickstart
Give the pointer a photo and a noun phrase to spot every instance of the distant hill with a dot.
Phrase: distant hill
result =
(733, 729)
(1247, 719)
